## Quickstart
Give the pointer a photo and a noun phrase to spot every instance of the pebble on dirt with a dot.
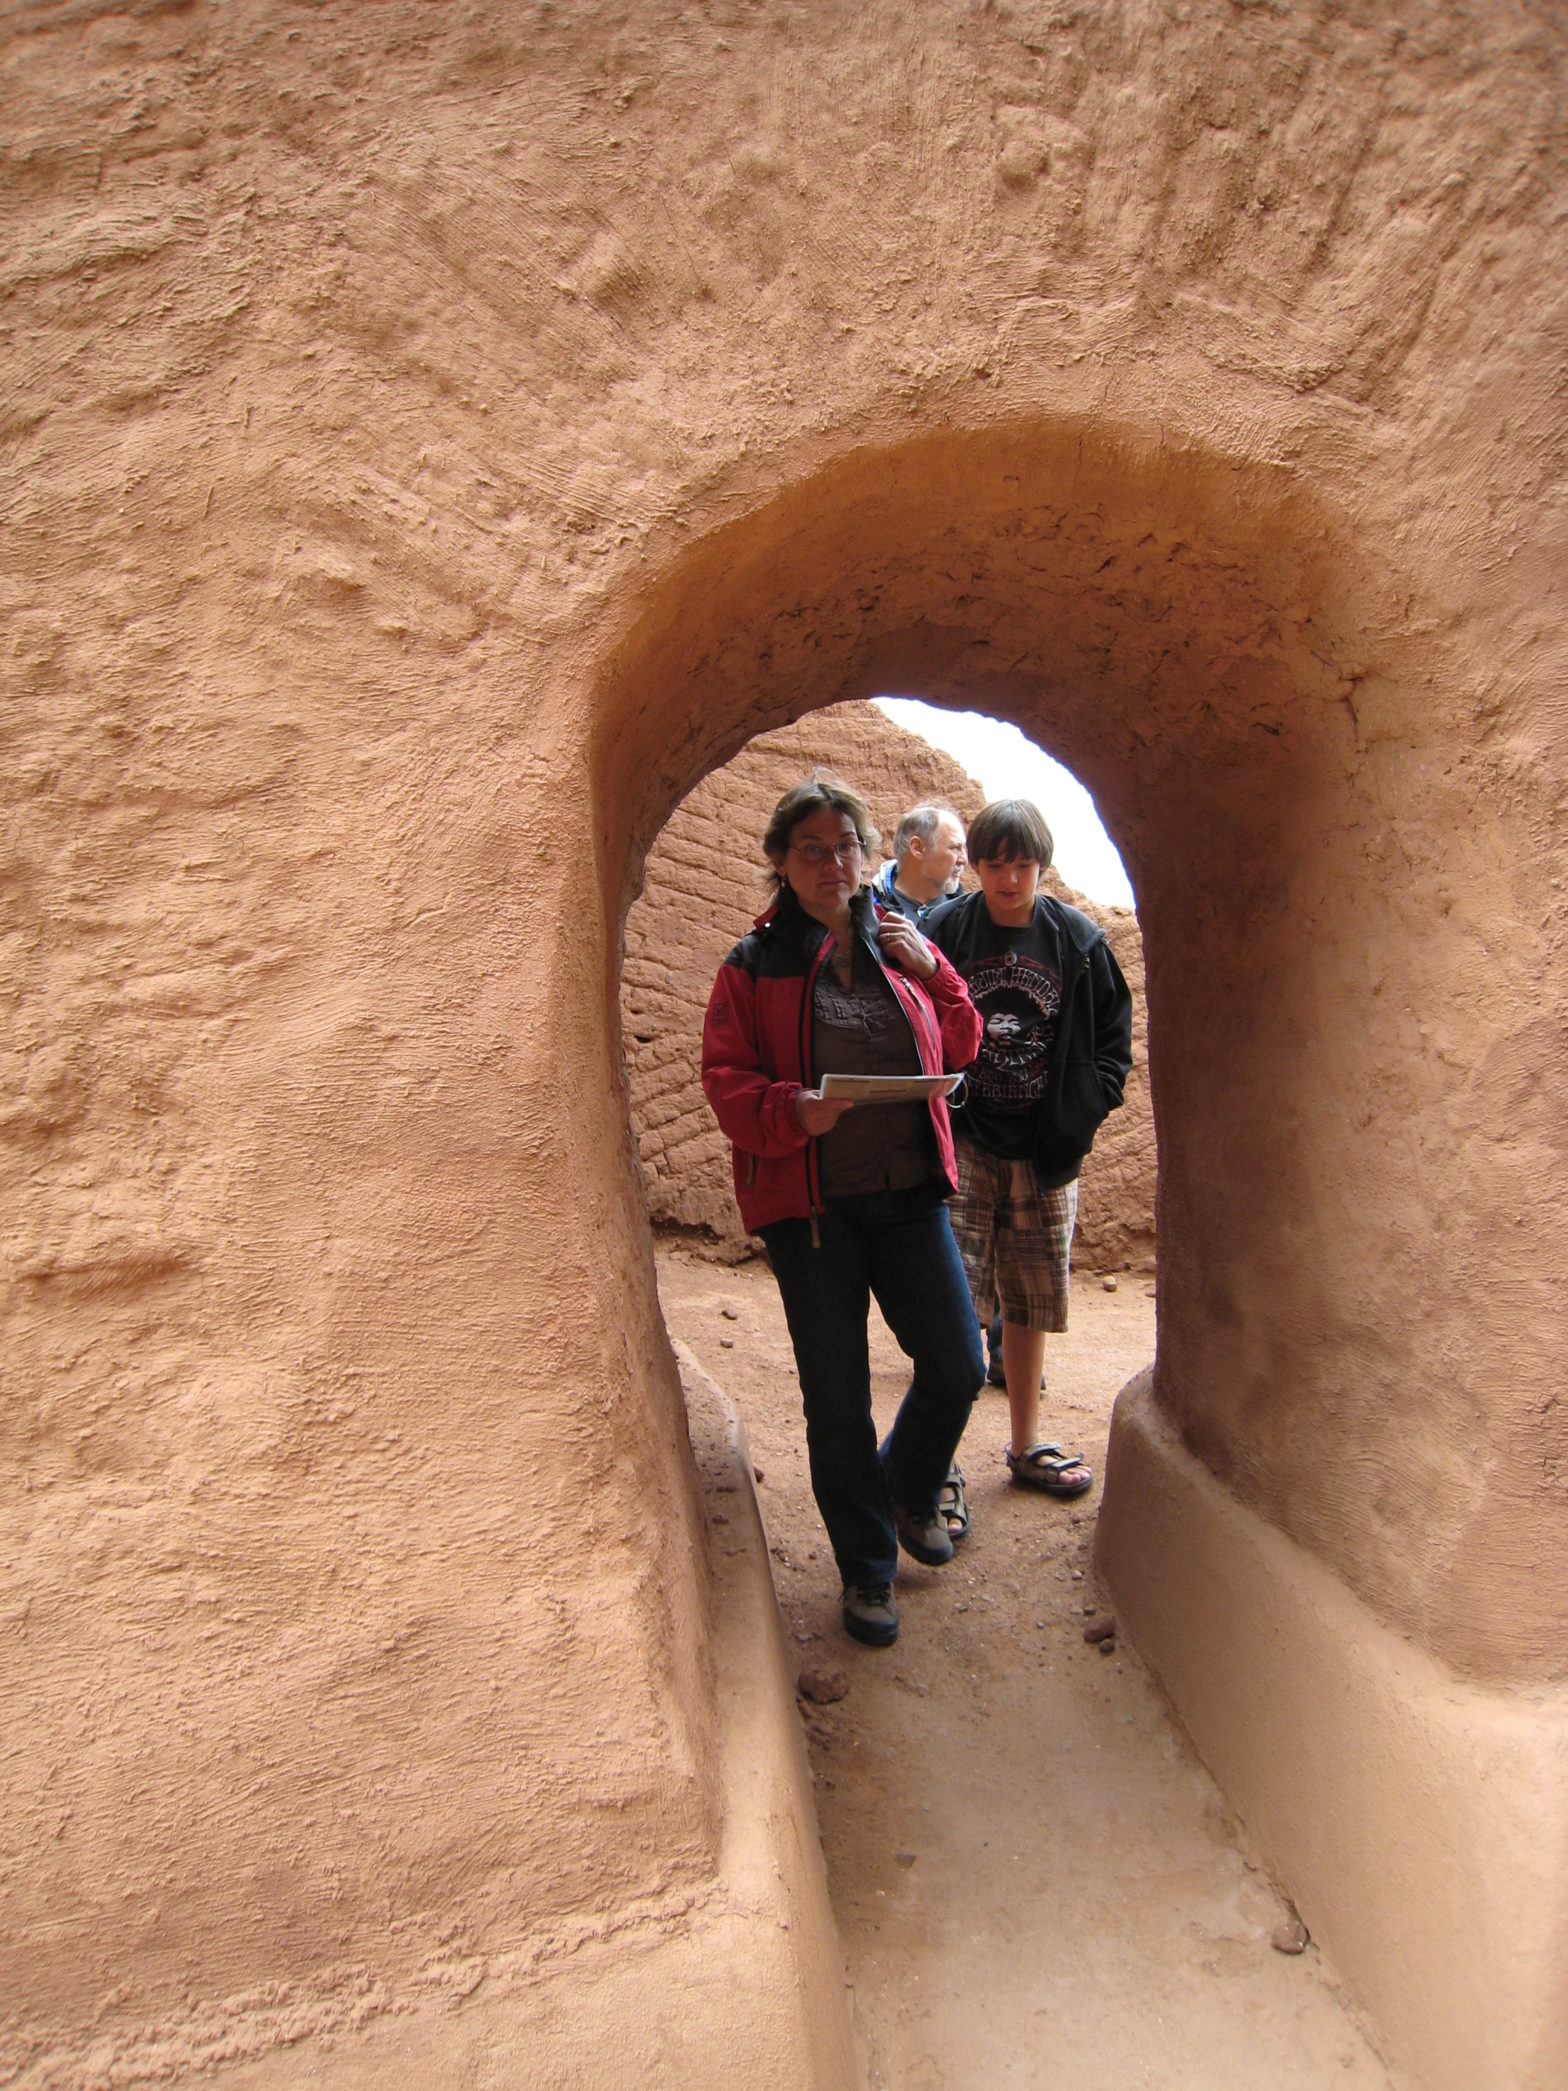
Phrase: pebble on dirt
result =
(1109, 1284)
(1290, 1935)
(1101, 1629)
(822, 1683)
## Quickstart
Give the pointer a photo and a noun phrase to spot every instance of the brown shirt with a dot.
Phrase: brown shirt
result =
(862, 1030)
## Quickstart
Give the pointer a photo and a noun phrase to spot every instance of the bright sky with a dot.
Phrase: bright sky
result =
(1009, 766)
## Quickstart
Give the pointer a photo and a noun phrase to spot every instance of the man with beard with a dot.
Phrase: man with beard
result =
(928, 855)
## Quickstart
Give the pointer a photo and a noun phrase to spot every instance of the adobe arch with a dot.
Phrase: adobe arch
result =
(1323, 1486)
(1182, 631)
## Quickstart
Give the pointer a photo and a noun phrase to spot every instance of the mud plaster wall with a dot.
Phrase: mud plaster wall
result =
(703, 885)
(433, 439)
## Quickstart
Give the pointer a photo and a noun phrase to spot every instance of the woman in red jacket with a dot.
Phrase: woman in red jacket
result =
(851, 1199)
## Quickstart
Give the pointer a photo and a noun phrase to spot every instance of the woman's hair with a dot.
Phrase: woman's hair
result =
(816, 793)
(1009, 828)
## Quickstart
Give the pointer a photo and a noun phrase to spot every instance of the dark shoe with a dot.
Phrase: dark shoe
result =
(923, 1534)
(871, 1614)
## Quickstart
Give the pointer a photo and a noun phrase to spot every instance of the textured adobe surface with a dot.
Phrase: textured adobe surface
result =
(702, 887)
(433, 439)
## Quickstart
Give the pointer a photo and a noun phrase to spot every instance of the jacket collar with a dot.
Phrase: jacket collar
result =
(1079, 929)
(784, 912)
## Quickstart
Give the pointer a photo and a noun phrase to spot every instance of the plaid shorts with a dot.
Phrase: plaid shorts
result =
(1015, 1238)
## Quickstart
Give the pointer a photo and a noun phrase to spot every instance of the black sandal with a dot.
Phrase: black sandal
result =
(952, 1505)
(1050, 1469)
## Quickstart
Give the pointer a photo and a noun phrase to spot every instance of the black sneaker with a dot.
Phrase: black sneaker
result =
(923, 1534)
(871, 1614)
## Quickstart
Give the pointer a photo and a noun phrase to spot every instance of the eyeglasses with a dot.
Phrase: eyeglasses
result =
(817, 853)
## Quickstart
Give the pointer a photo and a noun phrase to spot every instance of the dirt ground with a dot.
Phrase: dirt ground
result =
(1035, 1881)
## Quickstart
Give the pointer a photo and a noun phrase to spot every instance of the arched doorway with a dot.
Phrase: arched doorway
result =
(1180, 631)
(1263, 723)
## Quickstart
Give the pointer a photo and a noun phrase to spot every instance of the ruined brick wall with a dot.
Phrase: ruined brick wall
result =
(703, 886)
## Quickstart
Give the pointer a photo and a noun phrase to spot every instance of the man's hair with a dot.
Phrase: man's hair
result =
(816, 793)
(1009, 828)
(922, 821)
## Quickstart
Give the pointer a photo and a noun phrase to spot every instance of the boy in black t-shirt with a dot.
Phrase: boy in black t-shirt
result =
(1055, 1056)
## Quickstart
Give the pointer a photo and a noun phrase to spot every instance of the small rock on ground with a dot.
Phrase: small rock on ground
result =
(822, 1683)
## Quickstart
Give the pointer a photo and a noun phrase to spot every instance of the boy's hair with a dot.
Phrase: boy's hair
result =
(821, 790)
(1009, 828)
(922, 821)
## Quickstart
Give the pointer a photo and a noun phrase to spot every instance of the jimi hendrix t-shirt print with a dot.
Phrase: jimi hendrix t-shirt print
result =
(1014, 979)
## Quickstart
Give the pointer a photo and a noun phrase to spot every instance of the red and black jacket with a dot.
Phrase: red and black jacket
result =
(756, 1052)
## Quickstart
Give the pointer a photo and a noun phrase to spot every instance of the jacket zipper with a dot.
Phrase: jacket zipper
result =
(1059, 1058)
(813, 1178)
(920, 1058)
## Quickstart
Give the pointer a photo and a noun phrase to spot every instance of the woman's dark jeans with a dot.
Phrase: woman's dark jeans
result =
(898, 1245)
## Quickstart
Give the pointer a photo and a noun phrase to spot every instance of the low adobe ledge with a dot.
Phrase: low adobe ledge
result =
(742, 1983)
(1419, 1823)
